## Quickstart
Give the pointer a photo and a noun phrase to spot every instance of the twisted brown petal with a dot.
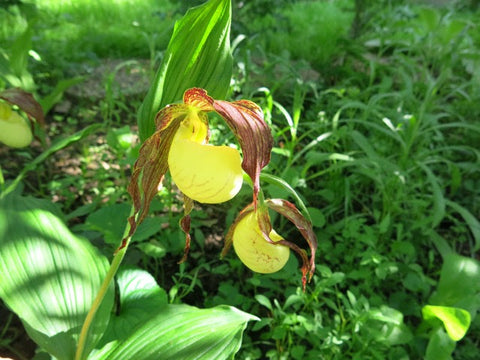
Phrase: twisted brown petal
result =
(287, 209)
(245, 119)
(185, 225)
(151, 165)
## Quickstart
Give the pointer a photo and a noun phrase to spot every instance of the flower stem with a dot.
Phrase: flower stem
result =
(114, 266)
(275, 180)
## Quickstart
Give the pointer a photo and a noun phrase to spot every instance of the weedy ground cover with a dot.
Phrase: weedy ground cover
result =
(374, 109)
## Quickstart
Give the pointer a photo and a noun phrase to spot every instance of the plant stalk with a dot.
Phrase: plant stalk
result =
(114, 266)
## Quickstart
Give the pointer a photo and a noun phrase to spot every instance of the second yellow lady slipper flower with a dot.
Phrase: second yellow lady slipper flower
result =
(254, 250)
(260, 248)
(14, 129)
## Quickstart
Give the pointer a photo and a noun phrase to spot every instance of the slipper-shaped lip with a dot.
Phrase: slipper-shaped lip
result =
(254, 251)
(205, 173)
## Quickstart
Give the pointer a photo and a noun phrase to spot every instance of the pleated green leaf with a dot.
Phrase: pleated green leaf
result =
(458, 285)
(49, 276)
(198, 55)
(440, 346)
(182, 332)
(139, 298)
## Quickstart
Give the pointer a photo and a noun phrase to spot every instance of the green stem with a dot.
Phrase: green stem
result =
(114, 266)
(275, 180)
(2, 180)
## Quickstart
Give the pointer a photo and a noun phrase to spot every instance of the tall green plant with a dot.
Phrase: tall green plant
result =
(51, 278)
(198, 55)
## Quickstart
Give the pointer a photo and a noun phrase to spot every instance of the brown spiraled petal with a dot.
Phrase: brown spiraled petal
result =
(25, 102)
(185, 225)
(287, 209)
(245, 119)
(151, 165)
(198, 98)
(266, 226)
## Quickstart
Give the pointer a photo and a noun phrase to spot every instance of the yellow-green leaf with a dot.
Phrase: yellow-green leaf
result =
(455, 320)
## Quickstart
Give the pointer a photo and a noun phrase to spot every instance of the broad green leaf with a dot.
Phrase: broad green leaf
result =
(49, 277)
(386, 325)
(455, 320)
(459, 284)
(440, 346)
(110, 221)
(182, 332)
(140, 297)
(198, 55)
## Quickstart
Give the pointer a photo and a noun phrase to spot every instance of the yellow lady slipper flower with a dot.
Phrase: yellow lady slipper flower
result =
(202, 172)
(254, 250)
(213, 174)
(205, 173)
(14, 129)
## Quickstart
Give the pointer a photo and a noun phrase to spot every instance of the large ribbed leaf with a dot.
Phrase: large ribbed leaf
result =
(198, 55)
(459, 284)
(146, 327)
(182, 332)
(49, 277)
(139, 298)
